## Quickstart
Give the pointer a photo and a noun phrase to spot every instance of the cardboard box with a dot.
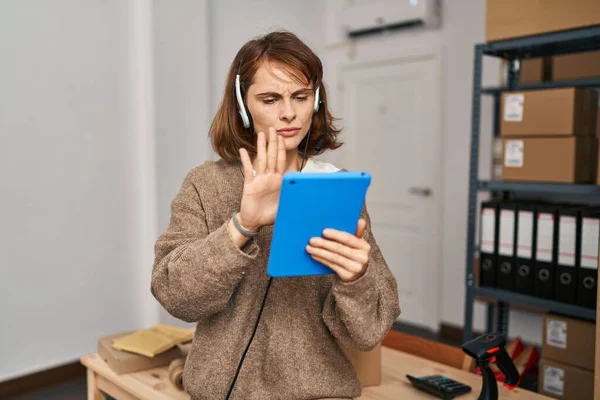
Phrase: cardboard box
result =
(367, 365)
(598, 161)
(562, 381)
(569, 341)
(123, 362)
(508, 19)
(556, 112)
(536, 70)
(562, 159)
(598, 169)
(576, 66)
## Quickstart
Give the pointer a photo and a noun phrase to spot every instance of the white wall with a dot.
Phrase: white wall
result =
(74, 187)
(182, 92)
(463, 25)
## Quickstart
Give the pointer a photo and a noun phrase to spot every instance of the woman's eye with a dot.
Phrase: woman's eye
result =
(302, 98)
(269, 101)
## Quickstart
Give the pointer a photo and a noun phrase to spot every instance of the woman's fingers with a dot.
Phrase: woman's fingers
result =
(261, 153)
(334, 258)
(336, 248)
(346, 238)
(360, 228)
(247, 165)
(343, 273)
(281, 154)
(272, 151)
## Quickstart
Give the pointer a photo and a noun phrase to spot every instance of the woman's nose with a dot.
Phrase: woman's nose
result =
(287, 112)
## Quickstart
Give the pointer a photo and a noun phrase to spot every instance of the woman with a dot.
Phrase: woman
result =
(256, 337)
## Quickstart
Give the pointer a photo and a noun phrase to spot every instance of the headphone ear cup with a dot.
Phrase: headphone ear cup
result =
(323, 138)
(243, 111)
(249, 118)
(317, 101)
(244, 117)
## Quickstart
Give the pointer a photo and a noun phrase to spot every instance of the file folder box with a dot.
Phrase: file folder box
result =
(488, 243)
(569, 340)
(574, 66)
(563, 381)
(588, 256)
(568, 261)
(568, 159)
(525, 261)
(506, 271)
(545, 252)
(549, 112)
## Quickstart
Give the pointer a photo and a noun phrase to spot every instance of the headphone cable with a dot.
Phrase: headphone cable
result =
(262, 306)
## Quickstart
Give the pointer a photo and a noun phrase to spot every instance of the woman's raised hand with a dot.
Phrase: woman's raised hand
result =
(260, 196)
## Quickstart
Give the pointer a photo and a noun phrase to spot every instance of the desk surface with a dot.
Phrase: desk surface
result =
(155, 384)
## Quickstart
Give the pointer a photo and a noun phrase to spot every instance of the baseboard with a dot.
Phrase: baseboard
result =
(38, 380)
(453, 334)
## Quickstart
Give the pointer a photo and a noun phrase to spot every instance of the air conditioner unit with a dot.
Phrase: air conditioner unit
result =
(364, 17)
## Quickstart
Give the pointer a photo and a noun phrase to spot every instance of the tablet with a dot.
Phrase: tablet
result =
(310, 202)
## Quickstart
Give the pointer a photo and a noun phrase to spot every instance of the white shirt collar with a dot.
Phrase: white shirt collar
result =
(313, 165)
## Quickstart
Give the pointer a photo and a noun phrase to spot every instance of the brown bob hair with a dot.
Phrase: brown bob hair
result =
(227, 133)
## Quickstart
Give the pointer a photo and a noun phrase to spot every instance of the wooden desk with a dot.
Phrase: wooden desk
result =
(155, 384)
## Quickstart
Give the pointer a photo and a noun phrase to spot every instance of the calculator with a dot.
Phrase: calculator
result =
(439, 386)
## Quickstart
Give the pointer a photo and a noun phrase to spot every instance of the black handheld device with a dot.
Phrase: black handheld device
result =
(486, 349)
(439, 386)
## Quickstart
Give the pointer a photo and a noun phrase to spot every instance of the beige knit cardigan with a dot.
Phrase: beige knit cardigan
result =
(199, 275)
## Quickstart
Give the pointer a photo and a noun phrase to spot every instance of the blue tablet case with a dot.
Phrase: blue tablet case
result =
(309, 203)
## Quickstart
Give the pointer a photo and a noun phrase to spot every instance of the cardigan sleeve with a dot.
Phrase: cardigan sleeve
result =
(196, 272)
(360, 313)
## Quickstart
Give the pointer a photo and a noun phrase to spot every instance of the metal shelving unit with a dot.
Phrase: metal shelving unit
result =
(543, 188)
(579, 83)
(514, 51)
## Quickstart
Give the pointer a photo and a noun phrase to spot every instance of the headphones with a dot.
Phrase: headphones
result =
(247, 118)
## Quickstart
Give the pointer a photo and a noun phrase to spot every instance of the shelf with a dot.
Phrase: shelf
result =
(537, 303)
(579, 83)
(564, 42)
(545, 188)
(518, 49)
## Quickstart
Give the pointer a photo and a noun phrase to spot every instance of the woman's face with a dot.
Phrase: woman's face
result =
(277, 100)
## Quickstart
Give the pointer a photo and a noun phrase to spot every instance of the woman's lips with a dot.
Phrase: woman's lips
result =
(287, 132)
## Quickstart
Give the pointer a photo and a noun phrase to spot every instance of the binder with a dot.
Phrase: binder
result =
(524, 260)
(506, 271)
(488, 243)
(588, 255)
(545, 252)
(567, 264)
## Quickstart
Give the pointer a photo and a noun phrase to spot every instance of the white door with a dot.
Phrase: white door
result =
(391, 120)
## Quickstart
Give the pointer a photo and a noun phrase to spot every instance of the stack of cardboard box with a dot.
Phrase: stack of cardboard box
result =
(567, 365)
(549, 136)
(564, 68)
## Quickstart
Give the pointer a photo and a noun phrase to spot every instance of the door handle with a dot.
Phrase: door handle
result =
(421, 191)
